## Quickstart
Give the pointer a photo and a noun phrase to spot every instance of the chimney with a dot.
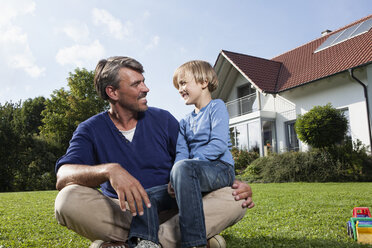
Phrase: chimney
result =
(325, 32)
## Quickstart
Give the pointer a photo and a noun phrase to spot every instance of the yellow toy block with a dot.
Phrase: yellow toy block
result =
(364, 234)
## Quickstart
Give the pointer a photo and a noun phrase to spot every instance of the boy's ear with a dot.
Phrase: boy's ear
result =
(205, 84)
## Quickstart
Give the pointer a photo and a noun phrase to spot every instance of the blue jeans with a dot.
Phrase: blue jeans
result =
(147, 226)
(189, 178)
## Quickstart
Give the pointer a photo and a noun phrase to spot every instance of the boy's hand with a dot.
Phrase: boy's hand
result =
(171, 190)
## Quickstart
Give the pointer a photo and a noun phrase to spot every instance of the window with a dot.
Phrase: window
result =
(268, 136)
(246, 136)
(244, 90)
(346, 34)
(345, 112)
(239, 135)
(246, 99)
(291, 136)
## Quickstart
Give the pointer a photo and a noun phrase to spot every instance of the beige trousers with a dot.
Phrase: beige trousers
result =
(97, 217)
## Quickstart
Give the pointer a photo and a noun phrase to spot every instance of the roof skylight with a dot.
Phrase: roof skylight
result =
(346, 34)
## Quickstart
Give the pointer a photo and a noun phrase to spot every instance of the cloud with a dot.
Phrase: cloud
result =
(114, 25)
(12, 9)
(25, 62)
(77, 32)
(146, 14)
(15, 49)
(153, 43)
(81, 55)
(13, 34)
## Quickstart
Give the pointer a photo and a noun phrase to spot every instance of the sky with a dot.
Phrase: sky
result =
(42, 41)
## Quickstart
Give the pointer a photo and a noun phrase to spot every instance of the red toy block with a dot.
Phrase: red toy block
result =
(361, 212)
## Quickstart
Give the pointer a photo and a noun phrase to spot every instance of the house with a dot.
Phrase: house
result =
(265, 96)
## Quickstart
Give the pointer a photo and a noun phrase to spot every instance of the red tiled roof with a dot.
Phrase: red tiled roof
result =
(301, 65)
(256, 69)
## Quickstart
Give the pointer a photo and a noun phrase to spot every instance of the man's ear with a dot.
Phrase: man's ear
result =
(111, 92)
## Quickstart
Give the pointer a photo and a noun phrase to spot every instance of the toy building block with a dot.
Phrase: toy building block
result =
(364, 232)
(365, 223)
(361, 212)
(350, 230)
(352, 225)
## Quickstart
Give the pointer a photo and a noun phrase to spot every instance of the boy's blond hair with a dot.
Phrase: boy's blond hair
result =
(201, 70)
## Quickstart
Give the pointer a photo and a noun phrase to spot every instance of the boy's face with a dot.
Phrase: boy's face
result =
(189, 89)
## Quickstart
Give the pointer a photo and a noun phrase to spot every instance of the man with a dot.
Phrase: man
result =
(124, 151)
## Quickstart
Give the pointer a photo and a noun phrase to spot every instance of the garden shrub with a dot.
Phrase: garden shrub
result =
(322, 126)
(346, 162)
(243, 158)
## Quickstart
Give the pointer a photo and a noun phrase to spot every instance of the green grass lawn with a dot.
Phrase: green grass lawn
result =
(286, 215)
(300, 215)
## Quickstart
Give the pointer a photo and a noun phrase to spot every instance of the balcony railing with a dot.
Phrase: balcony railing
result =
(242, 106)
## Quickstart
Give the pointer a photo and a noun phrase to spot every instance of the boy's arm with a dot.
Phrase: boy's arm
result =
(182, 149)
(219, 135)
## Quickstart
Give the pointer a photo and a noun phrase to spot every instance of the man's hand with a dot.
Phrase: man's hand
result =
(128, 188)
(171, 190)
(243, 191)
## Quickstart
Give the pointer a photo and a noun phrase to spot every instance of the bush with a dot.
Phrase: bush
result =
(346, 162)
(242, 159)
(322, 126)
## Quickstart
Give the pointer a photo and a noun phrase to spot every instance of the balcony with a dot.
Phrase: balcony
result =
(242, 106)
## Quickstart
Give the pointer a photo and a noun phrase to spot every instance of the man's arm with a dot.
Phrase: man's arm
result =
(126, 186)
(85, 175)
(243, 191)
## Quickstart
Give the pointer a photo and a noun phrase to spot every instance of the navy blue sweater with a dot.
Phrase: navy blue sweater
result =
(149, 157)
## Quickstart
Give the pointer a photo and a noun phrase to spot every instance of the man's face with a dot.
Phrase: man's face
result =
(132, 90)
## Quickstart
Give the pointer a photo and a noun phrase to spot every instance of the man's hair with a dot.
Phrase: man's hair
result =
(107, 73)
(201, 70)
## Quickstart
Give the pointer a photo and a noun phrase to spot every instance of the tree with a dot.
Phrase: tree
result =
(67, 108)
(27, 119)
(9, 140)
(322, 126)
(34, 156)
(26, 160)
(33, 134)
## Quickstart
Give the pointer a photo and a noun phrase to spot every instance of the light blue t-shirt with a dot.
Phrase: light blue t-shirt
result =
(205, 135)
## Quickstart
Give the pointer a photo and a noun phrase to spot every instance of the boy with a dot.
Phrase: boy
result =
(203, 160)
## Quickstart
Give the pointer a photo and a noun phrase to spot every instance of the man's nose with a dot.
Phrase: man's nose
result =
(144, 87)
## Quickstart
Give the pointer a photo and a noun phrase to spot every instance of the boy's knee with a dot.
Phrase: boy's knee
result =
(181, 168)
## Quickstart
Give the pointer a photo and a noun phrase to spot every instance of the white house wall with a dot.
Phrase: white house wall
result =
(339, 90)
(240, 80)
(368, 81)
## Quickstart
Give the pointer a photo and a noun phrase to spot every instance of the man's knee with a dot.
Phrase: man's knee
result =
(221, 210)
(91, 214)
(65, 203)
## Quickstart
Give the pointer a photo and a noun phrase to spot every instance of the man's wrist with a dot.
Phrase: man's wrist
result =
(107, 169)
